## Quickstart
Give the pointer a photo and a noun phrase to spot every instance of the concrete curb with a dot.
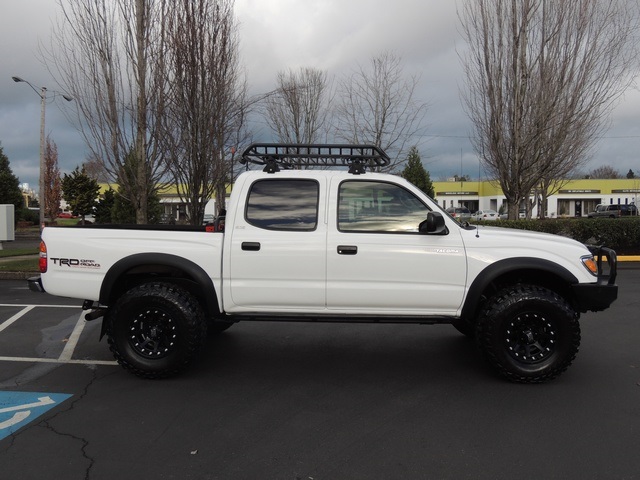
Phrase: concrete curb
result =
(17, 275)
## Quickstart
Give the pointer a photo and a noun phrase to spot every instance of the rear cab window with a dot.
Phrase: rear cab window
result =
(283, 204)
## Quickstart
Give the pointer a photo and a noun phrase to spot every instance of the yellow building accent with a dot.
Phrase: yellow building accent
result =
(568, 198)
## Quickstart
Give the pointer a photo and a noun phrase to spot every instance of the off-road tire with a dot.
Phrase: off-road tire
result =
(529, 334)
(155, 329)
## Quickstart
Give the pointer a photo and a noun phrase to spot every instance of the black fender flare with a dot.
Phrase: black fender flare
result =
(506, 266)
(196, 272)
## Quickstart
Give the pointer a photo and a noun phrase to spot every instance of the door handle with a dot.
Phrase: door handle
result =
(347, 250)
(251, 246)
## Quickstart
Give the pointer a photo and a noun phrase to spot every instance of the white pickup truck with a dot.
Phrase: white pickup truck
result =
(329, 245)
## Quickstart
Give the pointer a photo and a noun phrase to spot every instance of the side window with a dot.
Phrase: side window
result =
(378, 207)
(286, 204)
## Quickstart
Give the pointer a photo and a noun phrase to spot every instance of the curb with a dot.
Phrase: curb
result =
(17, 275)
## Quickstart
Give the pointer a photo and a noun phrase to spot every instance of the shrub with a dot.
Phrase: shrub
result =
(621, 234)
(27, 216)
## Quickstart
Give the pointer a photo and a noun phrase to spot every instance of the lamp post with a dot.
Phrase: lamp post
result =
(43, 102)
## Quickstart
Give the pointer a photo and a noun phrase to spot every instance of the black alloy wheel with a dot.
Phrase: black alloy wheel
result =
(528, 333)
(156, 329)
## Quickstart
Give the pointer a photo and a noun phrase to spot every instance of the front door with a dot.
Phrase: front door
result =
(377, 262)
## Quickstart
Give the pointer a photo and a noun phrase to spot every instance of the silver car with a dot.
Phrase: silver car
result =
(486, 215)
(462, 214)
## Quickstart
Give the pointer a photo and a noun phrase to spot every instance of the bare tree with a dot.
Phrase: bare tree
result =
(378, 105)
(542, 78)
(52, 182)
(204, 120)
(605, 171)
(297, 112)
(94, 168)
(109, 54)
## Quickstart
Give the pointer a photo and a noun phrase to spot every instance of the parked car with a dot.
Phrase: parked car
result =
(522, 214)
(462, 214)
(88, 219)
(613, 211)
(486, 215)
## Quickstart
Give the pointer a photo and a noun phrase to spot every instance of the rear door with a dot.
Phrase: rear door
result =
(277, 251)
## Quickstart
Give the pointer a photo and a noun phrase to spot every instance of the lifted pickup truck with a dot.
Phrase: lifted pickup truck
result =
(329, 245)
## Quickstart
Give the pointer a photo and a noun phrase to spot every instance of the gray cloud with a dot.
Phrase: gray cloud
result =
(280, 34)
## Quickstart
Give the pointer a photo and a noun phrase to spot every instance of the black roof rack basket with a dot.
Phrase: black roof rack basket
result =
(275, 155)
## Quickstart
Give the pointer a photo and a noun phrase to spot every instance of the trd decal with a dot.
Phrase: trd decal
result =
(75, 262)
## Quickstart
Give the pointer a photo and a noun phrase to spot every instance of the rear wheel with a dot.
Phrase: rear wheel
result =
(155, 329)
(528, 333)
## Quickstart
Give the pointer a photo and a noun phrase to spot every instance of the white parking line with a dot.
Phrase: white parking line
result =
(37, 305)
(17, 316)
(56, 360)
(67, 353)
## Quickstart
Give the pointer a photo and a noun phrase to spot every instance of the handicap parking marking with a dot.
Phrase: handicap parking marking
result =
(17, 409)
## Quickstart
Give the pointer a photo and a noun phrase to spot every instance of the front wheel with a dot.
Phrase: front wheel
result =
(528, 333)
(155, 329)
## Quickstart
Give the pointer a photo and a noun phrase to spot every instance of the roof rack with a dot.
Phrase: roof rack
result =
(275, 155)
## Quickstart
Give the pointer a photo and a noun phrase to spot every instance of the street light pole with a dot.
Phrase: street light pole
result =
(43, 102)
(43, 99)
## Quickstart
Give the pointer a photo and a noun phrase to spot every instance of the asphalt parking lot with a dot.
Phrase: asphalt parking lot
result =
(313, 401)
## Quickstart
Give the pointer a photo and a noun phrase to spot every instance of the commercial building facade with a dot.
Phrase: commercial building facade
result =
(574, 198)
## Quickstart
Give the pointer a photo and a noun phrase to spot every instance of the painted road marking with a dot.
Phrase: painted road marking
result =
(56, 360)
(16, 317)
(72, 342)
(67, 353)
(17, 409)
(31, 305)
(40, 403)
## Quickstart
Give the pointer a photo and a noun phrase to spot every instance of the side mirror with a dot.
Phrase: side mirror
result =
(433, 225)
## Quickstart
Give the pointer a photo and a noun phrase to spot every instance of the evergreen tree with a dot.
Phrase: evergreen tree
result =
(630, 174)
(9, 184)
(80, 191)
(124, 210)
(104, 208)
(415, 172)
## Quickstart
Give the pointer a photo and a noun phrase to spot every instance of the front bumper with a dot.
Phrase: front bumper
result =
(595, 297)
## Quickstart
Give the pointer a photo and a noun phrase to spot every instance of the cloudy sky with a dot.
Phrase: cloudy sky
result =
(333, 35)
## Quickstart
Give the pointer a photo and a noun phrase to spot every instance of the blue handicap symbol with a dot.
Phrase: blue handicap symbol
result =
(17, 409)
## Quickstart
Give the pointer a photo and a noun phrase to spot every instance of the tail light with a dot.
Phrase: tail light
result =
(42, 262)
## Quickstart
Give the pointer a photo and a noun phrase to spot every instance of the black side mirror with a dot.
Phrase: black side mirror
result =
(433, 225)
